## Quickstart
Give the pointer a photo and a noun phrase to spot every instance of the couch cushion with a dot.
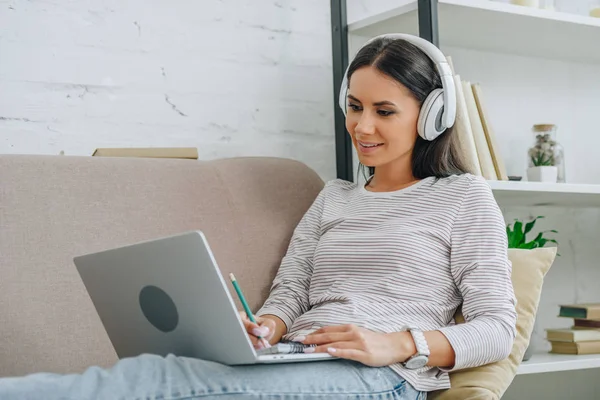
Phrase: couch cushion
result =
(53, 208)
(529, 268)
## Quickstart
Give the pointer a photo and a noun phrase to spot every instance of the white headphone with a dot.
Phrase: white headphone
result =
(438, 111)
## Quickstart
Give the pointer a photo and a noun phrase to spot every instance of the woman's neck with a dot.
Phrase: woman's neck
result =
(387, 178)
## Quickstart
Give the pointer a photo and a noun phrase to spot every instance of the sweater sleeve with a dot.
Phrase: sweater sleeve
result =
(482, 272)
(288, 297)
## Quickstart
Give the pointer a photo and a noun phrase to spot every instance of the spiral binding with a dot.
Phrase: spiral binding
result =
(286, 348)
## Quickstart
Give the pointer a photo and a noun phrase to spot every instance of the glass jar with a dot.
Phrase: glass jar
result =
(595, 8)
(547, 5)
(526, 3)
(546, 151)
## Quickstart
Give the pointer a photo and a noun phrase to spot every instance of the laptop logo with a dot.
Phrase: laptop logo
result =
(158, 308)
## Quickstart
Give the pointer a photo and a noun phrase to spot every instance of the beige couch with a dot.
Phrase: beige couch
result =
(53, 208)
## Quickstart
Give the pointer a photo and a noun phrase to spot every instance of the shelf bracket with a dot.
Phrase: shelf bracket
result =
(428, 21)
(339, 45)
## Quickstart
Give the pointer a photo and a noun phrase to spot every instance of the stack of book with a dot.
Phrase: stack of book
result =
(474, 131)
(583, 337)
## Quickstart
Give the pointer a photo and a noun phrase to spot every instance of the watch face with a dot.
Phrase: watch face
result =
(416, 362)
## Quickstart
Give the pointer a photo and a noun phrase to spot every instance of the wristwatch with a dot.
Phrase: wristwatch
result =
(421, 358)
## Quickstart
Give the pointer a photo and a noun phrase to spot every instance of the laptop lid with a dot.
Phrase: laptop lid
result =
(166, 296)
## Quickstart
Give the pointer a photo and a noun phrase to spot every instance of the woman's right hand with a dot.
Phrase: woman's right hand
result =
(264, 327)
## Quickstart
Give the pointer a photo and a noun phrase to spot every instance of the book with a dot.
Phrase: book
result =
(572, 335)
(462, 130)
(483, 151)
(585, 323)
(580, 311)
(489, 133)
(148, 152)
(575, 347)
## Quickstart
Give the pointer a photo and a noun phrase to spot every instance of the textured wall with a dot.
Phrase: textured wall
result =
(233, 78)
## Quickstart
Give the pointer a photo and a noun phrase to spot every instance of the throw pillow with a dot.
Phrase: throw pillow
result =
(490, 381)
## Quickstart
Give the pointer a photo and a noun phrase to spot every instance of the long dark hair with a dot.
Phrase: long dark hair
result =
(410, 66)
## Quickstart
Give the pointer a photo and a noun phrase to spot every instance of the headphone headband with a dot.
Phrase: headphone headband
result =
(443, 69)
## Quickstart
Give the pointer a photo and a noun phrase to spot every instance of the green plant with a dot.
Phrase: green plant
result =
(544, 152)
(517, 235)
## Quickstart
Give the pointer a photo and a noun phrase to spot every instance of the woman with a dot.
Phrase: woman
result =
(374, 273)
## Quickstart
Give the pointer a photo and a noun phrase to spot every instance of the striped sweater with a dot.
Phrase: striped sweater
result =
(384, 260)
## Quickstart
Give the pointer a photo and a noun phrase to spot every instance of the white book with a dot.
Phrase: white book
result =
(483, 151)
(462, 130)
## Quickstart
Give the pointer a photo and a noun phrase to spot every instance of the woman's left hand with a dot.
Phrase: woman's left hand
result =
(359, 344)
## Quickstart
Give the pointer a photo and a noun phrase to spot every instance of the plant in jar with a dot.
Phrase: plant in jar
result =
(545, 156)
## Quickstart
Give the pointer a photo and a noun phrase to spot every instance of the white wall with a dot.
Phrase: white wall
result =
(233, 78)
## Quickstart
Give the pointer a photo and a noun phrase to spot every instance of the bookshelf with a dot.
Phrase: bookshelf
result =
(548, 362)
(533, 32)
(531, 194)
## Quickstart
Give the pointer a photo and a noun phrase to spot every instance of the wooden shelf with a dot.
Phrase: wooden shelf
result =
(528, 194)
(496, 27)
(549, 362)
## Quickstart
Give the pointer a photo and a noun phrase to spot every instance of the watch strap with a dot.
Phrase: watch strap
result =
(420, 342)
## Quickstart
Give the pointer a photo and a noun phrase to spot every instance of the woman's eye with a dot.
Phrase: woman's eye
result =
(354, 107)
(384, 113)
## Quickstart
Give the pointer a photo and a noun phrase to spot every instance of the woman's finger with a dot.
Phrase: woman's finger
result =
(335, 345)
(329, 337)
(266, 327)
(345, 350)
(254, 332)
(349, 354)
(334, 328)
(247, 323)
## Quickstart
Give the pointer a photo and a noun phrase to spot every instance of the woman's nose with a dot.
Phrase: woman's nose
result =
(365, 126)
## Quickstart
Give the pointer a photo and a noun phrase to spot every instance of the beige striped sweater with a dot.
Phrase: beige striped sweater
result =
(409, 257)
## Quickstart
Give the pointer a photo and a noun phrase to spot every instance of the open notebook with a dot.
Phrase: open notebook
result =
(285, 348)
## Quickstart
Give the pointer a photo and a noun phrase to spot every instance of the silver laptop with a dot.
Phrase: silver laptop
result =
(168, 296)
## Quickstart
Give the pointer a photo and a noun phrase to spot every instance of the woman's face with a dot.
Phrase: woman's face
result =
(381, 118)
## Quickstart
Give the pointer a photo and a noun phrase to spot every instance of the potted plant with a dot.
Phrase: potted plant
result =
(517, 239)
(545, 156)
(518, 233)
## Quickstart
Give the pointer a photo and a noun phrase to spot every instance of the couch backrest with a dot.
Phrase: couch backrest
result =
(53, 208)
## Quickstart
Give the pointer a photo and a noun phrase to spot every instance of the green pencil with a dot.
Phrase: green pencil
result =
(244, 304)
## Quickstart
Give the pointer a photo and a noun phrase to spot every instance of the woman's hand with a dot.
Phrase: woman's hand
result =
(360, 344)
(264, 328)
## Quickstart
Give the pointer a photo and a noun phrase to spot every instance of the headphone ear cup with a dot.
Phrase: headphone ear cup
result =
(429, 125)
(344, 99)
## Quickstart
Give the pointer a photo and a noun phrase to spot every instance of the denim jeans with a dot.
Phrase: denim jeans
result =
(177, 378)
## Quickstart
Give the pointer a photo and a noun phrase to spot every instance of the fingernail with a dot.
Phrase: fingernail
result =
(309, 350)
(257, 332)
(300, 339)
(264, 330)
(266, 344)
(331, 350)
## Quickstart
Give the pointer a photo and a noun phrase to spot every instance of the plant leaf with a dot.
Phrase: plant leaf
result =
(529, 225)
(529, 245)
(518, 237)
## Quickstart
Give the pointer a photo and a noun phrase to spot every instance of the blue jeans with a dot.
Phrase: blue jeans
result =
(177, 378)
